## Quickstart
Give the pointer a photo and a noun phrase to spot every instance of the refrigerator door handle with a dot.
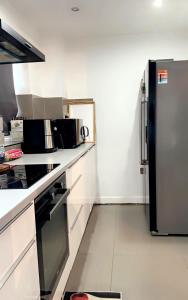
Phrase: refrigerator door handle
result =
(143, 161)
(146, 133)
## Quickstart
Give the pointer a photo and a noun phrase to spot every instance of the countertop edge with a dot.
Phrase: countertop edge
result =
(35, 191)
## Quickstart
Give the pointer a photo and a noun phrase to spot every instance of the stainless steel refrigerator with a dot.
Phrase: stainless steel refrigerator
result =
(164, 145)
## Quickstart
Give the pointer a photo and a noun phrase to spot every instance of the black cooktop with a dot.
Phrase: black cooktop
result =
(24, 176)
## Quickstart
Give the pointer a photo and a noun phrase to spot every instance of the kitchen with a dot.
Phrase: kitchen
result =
(104, 62)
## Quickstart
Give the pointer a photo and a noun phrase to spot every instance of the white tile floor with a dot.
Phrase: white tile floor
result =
(119, 254)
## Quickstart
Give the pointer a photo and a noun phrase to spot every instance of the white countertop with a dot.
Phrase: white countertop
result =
(9, 142)
(13, 201)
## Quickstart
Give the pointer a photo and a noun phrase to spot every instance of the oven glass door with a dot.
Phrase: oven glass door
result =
(52, 238)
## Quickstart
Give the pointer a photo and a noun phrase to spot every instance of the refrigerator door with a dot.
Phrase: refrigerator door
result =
(172, 147)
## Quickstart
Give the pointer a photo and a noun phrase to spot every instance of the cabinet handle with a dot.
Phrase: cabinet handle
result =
(75, 183)
(15, 218)
(76, 219)
(16, 263)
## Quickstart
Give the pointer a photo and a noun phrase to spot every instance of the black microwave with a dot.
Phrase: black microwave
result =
(69, 133)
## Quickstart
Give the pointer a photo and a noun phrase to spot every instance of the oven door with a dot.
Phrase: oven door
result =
(52, 238)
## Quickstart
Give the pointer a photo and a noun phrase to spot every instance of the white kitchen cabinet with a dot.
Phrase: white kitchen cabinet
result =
(90, 177)
(23, 283)
(73, 173)
(19, 276)
(81, 199)
(75, 201)
(81, 179)
(76, 233)
(15, 238)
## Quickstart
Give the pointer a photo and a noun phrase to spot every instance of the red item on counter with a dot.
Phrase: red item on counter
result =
(79, 296)
(13, 154)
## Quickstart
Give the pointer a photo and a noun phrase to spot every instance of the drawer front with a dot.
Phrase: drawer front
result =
(15, 238)
(78, 229)
(23, 283)
(75, 201)
(90, 176)
(74, 172)
(76, 234)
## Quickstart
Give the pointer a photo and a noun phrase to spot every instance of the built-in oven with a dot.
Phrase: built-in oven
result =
(52, 235)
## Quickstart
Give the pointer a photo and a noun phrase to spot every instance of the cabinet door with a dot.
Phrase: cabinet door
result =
(90, 177)
(76, 233)
(12, 243)
(73, 173)
(23, 283)
(82, 179)
(75, 201)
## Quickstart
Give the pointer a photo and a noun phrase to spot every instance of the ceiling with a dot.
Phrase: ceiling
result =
(102, 17)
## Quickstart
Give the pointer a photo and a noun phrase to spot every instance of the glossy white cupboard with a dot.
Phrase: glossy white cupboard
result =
(19, 277)
(81, 179)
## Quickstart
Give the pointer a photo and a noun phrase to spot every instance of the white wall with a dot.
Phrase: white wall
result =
(48, 79)
(109, 69)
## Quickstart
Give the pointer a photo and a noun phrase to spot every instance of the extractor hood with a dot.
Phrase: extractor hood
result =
(15, 49)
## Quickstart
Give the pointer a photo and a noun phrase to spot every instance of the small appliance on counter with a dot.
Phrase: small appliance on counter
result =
(69, 133)
(38, 136)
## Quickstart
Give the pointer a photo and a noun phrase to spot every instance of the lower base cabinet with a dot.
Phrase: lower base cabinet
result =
(21, 279)
(23, 282)
(82, 182)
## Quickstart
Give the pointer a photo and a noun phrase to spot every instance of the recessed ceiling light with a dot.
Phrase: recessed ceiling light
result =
(158, 3)
(75, 9)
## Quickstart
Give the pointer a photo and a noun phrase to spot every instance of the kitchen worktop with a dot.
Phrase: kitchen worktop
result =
(10, 142)
(14, 201)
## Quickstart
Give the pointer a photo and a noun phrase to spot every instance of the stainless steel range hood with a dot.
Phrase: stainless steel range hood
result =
(15, 49)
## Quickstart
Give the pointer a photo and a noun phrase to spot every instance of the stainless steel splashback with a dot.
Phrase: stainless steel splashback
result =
(35, 107)
(25, 105)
